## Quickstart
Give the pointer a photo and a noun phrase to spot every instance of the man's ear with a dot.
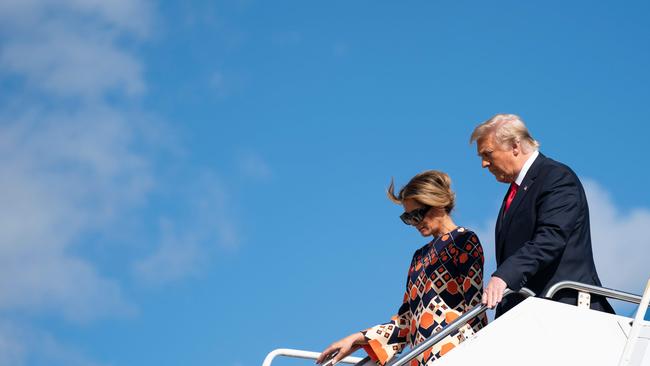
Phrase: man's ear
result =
(516, 148)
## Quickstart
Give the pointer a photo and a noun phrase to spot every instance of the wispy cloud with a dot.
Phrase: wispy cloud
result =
(188, 245)
(74, 47)
(12, 350)
(68, 63)
(61, 179)
(225, 84)
(76, 154)
(178, 256)
(21, 345)
(132, 16)
(71, 162)
(254, 166)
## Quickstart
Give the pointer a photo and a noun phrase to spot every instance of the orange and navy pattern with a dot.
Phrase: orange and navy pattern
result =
(445, 280)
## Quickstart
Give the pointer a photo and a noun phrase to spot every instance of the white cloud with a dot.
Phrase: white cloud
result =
(215, 214)
(63, 178)
(73, 64)
(621, 253)
(21, 345)
(134, 17)
(128, 15)
(73, 48)
(12, 350)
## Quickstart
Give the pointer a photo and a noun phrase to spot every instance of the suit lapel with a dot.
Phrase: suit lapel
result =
(500, 217)
(497, 230)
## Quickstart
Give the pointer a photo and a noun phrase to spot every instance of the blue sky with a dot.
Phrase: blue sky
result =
(199, 183)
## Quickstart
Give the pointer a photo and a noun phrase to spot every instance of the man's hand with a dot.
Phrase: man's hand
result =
(493, 292)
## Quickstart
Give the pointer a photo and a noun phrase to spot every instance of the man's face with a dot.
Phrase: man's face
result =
(499, 160)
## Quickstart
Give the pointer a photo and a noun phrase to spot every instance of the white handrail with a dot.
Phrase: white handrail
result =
(296, 353)
(592, 289)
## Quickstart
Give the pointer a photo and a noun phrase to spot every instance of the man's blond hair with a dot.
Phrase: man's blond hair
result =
(508, 129)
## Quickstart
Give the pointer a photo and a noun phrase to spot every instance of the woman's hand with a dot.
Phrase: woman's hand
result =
(342, 348)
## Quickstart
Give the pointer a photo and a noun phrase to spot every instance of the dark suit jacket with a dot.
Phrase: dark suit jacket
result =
(544, 236)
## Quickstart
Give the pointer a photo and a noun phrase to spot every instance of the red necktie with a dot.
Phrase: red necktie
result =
(511, 195)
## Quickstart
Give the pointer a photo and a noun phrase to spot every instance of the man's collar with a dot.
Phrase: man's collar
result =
(527, 164)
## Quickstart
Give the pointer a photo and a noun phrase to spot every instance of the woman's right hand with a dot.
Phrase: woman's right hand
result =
(342, 348)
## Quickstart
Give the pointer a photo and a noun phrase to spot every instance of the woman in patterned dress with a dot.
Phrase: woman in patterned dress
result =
(445, 279)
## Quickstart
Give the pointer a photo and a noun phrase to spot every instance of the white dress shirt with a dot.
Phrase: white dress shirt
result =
(524, 169)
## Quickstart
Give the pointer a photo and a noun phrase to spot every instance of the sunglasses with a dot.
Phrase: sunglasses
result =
(414, 217)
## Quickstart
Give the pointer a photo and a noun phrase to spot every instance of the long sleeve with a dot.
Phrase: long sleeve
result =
(388, 339)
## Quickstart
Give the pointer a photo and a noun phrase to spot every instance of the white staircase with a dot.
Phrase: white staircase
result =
(540, 332)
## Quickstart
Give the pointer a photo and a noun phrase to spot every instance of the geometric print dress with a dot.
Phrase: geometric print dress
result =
(445, 279)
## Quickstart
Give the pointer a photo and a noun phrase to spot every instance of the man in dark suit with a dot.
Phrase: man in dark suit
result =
(542, 232)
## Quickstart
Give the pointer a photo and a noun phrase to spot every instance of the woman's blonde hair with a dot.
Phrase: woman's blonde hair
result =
(432, 188)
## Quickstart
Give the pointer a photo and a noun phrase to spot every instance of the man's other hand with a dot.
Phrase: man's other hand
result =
(493, 292)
